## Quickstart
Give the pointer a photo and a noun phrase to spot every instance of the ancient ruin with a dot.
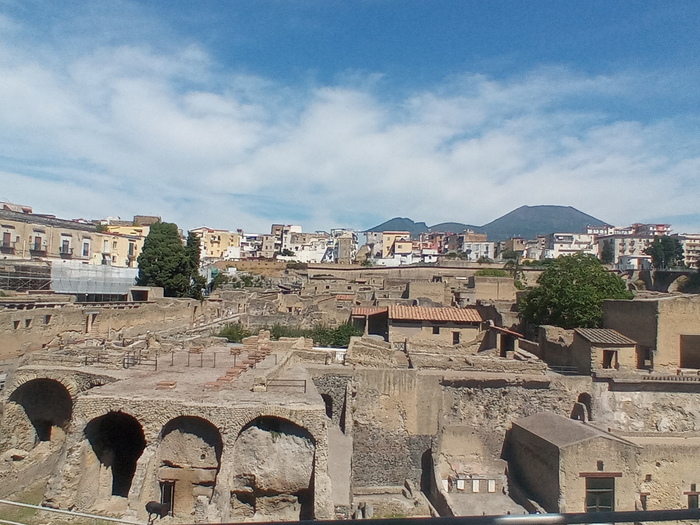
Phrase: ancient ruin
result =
(111, 406)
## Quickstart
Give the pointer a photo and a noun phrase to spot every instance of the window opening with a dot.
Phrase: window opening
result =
(167, 494)
(600, 494)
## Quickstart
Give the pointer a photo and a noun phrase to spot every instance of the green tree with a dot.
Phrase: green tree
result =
(607, 254)
(164, 262)
(197, 282)
(571, 292)
(666, 252)
(510, 255)
(514, 268)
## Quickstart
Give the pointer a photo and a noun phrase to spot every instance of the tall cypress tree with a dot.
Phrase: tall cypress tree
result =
(197, 282)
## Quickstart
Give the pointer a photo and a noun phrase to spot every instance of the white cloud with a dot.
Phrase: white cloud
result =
(121, 130)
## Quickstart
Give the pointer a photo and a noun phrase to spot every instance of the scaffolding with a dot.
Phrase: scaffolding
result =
(25, 276)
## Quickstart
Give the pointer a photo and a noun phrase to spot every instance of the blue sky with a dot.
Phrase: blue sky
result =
(235, 114)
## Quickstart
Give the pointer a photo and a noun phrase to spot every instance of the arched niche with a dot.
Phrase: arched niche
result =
(189, 458)
(40, 406)
(118, 441)
(273, 472)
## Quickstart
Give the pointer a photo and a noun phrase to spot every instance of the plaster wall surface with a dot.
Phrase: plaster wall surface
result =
(637, 320)
(534, 463)
(677, 316)
(618, 458)
(668, 466)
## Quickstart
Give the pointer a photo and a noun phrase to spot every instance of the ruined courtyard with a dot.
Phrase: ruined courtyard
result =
(112, 406)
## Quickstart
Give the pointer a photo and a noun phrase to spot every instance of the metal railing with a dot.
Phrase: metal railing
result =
(643, 516)
(66, 512)
(635, 516)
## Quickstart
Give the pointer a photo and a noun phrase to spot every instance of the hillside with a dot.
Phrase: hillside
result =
(401, 224)
(526, 221)
(531, 221)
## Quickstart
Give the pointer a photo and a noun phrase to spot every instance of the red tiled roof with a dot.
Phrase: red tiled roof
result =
(364, 311)
(344, 297)
(423, 313)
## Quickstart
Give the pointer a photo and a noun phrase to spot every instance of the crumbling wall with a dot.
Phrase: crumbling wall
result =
(490, 405)
(396, 415)
(28, 329)
(335, 386)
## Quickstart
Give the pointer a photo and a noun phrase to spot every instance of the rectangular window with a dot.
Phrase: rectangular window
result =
(167, 494)
(609, 358)
(436, 330)
(600, 494)
(692, 501)
(86, 249)
(47, 319)
(455, 338)
(6, 238)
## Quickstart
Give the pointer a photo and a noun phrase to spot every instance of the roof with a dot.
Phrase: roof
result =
(506, 331)
(365, 311)
(423, 313)
(604, 336)
(344, 297)
(562, 431)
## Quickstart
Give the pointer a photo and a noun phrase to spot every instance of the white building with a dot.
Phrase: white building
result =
(558, 244)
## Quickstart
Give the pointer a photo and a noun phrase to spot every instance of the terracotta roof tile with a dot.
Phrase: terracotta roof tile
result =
(423, 313)
(364, 311)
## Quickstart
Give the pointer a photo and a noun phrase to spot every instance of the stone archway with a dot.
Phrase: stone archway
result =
(118, 441)
(189, 458)
(273, 472)
(35, 410)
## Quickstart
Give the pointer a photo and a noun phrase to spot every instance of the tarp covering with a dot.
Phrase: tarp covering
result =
(79, 278)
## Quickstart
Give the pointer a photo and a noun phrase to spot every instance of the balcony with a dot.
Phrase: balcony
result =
(7, 248)
(66, 253)
(37, 250)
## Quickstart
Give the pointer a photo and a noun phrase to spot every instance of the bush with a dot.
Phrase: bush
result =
(491, 272)
(321, 335)
(235, 333)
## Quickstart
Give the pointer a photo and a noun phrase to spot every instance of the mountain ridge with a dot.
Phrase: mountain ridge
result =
(525, 221)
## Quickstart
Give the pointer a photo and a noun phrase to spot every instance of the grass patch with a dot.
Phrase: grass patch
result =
(33, 495)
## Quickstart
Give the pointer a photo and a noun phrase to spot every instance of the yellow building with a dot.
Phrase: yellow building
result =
(218, 244)
(25, 235)
(392, 240)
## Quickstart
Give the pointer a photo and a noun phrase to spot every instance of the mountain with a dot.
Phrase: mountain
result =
(454, 227)
(531, 221)
(526, 221)
(401, 224)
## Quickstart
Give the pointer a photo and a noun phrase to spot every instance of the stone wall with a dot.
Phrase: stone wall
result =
(38, 325)
(335, 386)
(490, 405)
(68, 487)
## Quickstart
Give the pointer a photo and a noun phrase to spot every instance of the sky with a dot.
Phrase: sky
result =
(326, 113)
